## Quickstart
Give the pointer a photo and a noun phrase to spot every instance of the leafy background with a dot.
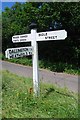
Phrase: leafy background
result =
(48, 16)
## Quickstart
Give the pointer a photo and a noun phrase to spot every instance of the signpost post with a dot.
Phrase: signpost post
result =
(33, 50)
(35, 63)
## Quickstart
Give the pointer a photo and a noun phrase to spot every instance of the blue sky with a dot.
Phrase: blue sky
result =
(7, 4)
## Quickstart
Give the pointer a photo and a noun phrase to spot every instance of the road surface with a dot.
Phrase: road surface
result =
(61, 79)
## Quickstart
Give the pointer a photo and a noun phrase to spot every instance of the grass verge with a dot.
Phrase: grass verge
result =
(18, 100)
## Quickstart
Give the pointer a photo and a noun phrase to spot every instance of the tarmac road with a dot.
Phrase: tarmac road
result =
(61, 79)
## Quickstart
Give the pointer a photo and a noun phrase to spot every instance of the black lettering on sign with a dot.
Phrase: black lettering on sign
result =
(18, 50)
(10, 52)
(51, 37)
(22, 54)
(11, 56)
(23, 36)
(30, 53)
(16, 37)
(26, 53)
(17, 55)
(42, 34)
(22, 39)
(13, 51)
(25, 49)
(16, 40)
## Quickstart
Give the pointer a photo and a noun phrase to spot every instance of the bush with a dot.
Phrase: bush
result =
(50, 65)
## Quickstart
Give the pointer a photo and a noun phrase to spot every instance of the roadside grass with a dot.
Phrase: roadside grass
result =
(52, 66)
(18, 101)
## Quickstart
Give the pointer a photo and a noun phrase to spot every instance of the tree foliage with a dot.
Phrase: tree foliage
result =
(57, 15)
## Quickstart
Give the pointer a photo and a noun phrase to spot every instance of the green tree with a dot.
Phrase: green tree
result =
(16, 20)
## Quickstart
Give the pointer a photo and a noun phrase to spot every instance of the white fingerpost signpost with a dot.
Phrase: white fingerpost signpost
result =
(33, 49)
